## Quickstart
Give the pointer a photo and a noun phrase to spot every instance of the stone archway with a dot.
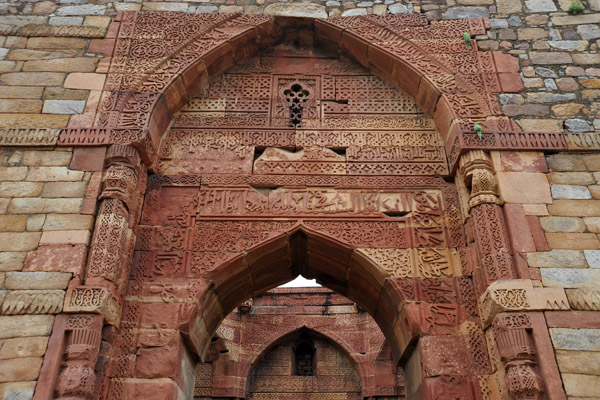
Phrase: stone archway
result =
(166, 75)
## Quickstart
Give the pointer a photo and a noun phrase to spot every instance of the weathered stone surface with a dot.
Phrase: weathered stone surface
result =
(65, 237)
(512, 189)
(80, 64)
(466, 12)
(557, 259)
(562, 224)
(575, 339)
(63, 106)
(36, 280)
(33, 302)
(570, 192)
(593, 258)
(509, 7)
(576, 19)
(577, 125)
(570, 277)
(588, 32)
(17, 390)
(575, 208)
(53, 174)
(592, 224)
(572, 178)
(296, 10)
(64, 189)
(56, 259)
(22, 241)
(56, 222)
(23, 347)
(85, 9)
(538, 57)
(561, 240)
(578, 362)
(11, 261)
(25, 325)
(20, 369)
(46, 158)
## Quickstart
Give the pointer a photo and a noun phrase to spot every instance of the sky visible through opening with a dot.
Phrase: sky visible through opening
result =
(301, 281)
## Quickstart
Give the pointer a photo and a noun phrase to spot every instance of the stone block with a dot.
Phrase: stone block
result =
(33, 120)
(62, 206)
(75, 64)
(57, 258)
(53, 174)
(33, 78)
(11, 261)
(20, 106)
(569, 45)
(17, 390)
(83, 9)
(581, 386)
(26, 205)
(562, 240)
(65, 237)
(35, 222)
(524, 187)
(575, 208)
(68, 222)
(518, 228)
(54, 43)
(25, 326)
(21, 92)
(20, 189)
(47, 158)
(578, 362)
(575, 339)
(531, 33)
(23, 347)
(88, 158)
(13, 223)
(535, 209)
(570, 192)
(523, 161)
(540, 5)
(19, 241)
(540, 125)
(593, 258)
(572, 178)
(571, 277)
(64, 189)
(580, 19)
(588, 32)
(12, 173)
(63, 106)
(36, 280)
(557, 259)
(562, 224)
(20, 369)
(466, 12)
(545, 58)
(592, 224)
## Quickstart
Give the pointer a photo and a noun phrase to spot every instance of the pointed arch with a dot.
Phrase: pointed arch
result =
(150, 80)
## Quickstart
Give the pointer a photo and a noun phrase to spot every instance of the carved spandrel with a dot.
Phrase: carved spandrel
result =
(415, 262)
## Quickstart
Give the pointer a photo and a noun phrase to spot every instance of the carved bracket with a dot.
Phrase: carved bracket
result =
(518, 295)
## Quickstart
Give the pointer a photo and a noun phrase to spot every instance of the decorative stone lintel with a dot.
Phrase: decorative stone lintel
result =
(583, 141)
(518, 295)
(93, 299)
(29, 137)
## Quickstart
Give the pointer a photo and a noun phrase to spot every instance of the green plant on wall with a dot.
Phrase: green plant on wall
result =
(575, 8)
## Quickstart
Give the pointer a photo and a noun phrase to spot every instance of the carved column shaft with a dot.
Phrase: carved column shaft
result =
(108, 265)
(489, 227)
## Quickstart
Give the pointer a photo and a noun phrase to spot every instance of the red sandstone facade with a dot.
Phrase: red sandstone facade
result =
(241, 151)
